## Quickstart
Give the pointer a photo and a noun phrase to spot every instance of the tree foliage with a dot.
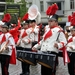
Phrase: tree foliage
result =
(9, 0)
(22, 3)
(23, 8)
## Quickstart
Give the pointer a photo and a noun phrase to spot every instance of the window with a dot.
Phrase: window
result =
(2, 6)
(2, 0)
(58, 3)
(72, 4)
(41, 6)
(30, 4)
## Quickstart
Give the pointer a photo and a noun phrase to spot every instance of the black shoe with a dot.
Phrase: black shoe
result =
(27, 73)
(22, 74)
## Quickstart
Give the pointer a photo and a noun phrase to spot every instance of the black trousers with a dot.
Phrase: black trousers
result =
(4, 59)
(25, 67)
(49, 71)
(71, 65)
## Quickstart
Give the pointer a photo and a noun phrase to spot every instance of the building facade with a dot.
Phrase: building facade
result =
(66, 7)
(2, 8)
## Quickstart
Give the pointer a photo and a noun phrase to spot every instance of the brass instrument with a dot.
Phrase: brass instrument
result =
(34, 13)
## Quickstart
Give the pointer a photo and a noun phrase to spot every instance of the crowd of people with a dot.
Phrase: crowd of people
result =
(26, 37)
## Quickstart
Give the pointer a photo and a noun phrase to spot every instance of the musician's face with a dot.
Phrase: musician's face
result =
(25, 26)
(52, 23)
(33, 23)
(73, 32)
(30, 25)
(49, 22)
(4, 30)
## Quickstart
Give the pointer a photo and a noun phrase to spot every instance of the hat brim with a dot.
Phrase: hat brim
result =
(3, 26)
(52, 19)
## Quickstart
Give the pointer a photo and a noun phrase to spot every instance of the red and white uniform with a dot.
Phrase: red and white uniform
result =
(36, 33)
(46, 28)
(27, 37)
(50, 38)
(71, 43)
(15, 33)
(7, 37)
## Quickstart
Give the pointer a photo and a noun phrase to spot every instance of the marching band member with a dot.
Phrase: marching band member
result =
(71, 50)
(71, 47)
(35, 17)
(67, 27)
(15, 31)
(7, 47)
(49, 43)
(35, 31)
(25, 42)
(34, 70)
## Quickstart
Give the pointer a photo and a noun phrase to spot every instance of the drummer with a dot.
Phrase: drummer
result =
(25, 43)
(52, 41)
(71, 51)
(7, 54)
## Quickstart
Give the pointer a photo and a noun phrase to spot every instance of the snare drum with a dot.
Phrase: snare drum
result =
(20, 55)
(29, 57)
(26, 56)
(47, 60)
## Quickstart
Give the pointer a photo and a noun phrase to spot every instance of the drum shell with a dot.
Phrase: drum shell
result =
(20, 55)
(47, 60)
(27, 56)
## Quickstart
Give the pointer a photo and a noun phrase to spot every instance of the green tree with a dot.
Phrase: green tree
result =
(9, 1)
(23, 8)
(22, 3)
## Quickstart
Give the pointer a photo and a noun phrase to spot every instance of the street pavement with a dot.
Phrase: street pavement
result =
(16, 69)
